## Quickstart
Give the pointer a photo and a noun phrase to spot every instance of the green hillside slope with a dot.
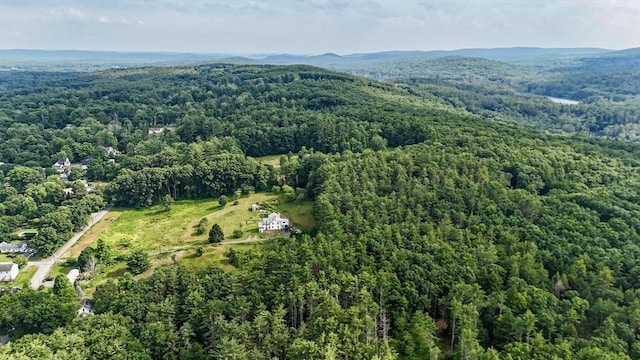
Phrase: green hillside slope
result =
(439, 233)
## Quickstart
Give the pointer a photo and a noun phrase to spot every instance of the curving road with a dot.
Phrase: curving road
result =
(44, 265)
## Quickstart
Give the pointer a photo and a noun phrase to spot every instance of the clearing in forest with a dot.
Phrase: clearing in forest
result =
(157, 230)
(163, 233)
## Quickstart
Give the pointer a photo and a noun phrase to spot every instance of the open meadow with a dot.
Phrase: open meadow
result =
(170, 236)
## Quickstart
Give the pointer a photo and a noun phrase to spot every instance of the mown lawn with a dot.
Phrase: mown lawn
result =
(62, 268)
(23, 279)
(5, 258)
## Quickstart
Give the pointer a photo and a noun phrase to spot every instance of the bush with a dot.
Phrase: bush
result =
(20, 260)
(247, 189)
(199, 251)
(201, 227)
(223, 200)
(237, 233)
(235, 202)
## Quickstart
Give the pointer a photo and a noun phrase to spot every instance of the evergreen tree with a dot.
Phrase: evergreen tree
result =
(138, 262)
(215, 234)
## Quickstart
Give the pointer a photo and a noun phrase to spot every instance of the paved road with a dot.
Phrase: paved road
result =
(44, 265)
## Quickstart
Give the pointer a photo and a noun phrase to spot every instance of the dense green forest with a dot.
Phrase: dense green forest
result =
(440, 233)
(607, 88)
(601, 118)
(613, 75)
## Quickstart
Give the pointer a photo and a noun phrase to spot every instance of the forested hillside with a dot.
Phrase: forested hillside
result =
(440, 234)
(607, 87)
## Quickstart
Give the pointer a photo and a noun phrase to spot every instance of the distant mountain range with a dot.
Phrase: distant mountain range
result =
(76, 60)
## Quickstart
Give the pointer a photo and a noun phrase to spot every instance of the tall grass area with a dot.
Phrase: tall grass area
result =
(170, 236)
(157, 230)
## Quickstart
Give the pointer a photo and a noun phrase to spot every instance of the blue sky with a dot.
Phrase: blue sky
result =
(316, 26)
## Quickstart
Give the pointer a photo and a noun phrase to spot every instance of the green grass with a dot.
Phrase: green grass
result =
(23, 279)
(155, 230)
(273, 160)
(216, 255)
(163, 234)
(62, 268)
(299, 213)
(5, 258)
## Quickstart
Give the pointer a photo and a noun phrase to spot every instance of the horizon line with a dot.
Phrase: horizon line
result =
(309, 54)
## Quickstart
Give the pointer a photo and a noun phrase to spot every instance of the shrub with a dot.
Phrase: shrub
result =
(199, 251)
(223, 200)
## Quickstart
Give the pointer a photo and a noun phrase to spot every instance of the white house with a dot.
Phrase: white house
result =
(61, 164)
(6, 247)
(86, 308)
(110, 150)
(8, 272)
(273, 222)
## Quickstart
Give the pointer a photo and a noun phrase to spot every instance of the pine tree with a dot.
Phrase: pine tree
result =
(215, 234)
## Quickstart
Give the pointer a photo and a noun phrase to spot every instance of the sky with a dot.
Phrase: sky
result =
(316, 26)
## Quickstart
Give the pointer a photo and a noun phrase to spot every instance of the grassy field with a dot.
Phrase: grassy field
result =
(273, 160)
(157, 231)
(170, 236)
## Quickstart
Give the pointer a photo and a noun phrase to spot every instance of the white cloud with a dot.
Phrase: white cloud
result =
(316, 26)
(75, 13)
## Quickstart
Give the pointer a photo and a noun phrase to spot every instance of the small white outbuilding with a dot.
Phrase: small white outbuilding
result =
(73, 275)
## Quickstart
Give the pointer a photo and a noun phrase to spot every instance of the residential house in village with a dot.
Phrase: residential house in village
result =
(18, 247)
(111, 151)
(274, 221)
(86, 307)
(155, 130)
(61, 165)
(8, 272)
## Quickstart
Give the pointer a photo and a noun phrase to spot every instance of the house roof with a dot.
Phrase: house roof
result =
(4, 267)
(8, 246)
(272, 217)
